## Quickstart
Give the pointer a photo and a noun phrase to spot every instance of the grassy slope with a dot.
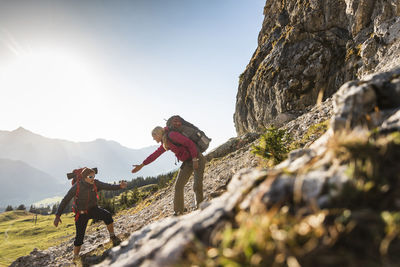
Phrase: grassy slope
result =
(20, 235)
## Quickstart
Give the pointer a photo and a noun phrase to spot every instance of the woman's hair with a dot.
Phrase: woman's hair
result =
(86, 172)
(158, 130)
(164, 138)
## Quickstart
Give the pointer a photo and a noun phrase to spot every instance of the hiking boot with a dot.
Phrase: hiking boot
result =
(179, 213)
(115, 240)
(77, 261)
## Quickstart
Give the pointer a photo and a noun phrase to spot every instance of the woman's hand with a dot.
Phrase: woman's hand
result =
(57, 220)
(123, 184)
(137, 168)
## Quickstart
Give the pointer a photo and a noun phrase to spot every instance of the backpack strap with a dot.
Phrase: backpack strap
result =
(74, 205)
(169, 138)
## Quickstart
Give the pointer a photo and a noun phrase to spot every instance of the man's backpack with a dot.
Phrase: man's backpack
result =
(176, 123)
(76, 175)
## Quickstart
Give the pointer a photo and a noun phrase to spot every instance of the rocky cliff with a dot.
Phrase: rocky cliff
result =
(307, 49)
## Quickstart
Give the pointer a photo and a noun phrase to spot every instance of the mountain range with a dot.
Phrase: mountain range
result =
(33, 167)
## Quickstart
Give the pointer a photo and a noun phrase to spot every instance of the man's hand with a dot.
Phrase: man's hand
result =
(123, 184)
(137, 168)
(57, 220)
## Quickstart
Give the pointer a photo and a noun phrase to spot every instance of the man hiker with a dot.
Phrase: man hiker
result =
(85, 207)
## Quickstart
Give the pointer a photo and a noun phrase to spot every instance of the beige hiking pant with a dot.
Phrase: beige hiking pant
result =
(183, 177)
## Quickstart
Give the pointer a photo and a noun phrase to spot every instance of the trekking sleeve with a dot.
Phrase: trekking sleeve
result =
(183, 140)
(66, 199)
(105, 186)
(154, 155)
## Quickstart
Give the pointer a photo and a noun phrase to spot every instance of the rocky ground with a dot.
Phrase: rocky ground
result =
(223, 163)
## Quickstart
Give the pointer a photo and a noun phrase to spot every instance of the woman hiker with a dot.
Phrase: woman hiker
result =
(186, 151)
(86, 207)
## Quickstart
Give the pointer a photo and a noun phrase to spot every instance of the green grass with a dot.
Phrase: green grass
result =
(20, 235)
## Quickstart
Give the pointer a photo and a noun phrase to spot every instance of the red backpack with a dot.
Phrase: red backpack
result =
(76, 176)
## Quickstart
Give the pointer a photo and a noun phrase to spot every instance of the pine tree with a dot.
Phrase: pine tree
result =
(9, 208)
(21, 207)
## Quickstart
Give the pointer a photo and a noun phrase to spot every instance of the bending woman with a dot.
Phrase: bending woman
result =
(186, 151)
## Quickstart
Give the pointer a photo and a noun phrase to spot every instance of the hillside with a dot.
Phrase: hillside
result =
(21, 233)
(328, 72)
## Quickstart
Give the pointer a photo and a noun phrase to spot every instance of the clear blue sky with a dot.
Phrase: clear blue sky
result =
(81, 70)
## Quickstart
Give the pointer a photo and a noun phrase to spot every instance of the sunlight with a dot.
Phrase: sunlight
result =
(53, 86)
(53, 74)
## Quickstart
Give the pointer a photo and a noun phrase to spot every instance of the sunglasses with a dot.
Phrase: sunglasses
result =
(91, 176)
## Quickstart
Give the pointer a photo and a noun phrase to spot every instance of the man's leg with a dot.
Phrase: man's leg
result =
(102, 214)
(183, 177)
(110, 228)
(77, 249)
(80, 226)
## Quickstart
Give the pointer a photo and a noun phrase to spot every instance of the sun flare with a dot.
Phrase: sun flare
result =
(49, 73)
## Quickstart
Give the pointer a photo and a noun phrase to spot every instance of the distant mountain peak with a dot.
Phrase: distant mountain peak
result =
(21, 129)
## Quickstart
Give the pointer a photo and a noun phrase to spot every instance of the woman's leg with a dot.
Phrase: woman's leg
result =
(80, 226)
(183, 177)
(198, 180)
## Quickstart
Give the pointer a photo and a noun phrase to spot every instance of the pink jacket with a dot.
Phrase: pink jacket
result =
(186, 150)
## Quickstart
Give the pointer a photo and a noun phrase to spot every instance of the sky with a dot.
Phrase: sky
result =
(83, 70)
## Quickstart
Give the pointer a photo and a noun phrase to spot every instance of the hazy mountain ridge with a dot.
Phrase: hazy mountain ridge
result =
(21, 183)
(55, 157)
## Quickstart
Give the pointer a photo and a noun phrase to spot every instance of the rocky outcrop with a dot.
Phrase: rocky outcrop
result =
(307, 49)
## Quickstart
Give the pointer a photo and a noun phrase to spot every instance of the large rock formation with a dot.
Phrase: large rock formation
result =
(307, 49)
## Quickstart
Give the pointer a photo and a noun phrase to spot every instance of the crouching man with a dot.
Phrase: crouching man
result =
(85, 206)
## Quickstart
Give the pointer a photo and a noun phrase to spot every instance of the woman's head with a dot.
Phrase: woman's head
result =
(158, 133)
(88, 175)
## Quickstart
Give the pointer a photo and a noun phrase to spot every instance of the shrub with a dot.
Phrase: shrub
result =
(274, 145)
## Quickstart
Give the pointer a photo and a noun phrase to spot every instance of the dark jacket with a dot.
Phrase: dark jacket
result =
(86, 197)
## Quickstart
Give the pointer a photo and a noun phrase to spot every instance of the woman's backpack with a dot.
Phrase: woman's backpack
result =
(176, 123)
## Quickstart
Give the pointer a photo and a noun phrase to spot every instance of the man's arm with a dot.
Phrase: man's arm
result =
(71, 193)
(105, 186)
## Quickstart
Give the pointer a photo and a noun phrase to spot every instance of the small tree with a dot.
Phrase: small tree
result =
(274, 145)
(21, 207)
(9, 208)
